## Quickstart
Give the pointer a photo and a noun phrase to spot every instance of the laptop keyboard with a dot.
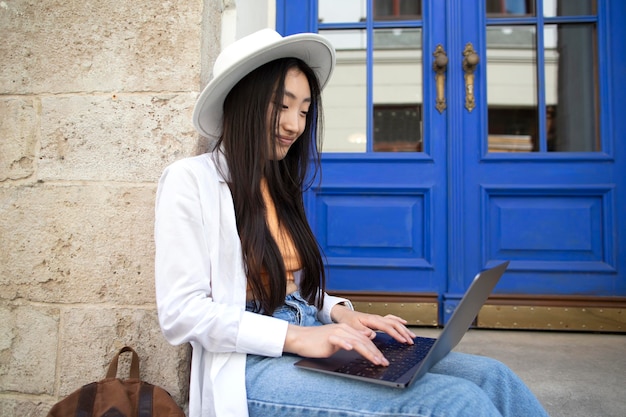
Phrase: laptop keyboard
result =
(401, 358)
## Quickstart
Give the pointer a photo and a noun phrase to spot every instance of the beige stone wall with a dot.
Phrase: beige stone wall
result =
(96, 98)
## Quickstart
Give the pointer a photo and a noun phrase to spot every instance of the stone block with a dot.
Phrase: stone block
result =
(58, 46)
(92, 336)
(78, 243)
(20, 407)
(28, 346)
(117, 137)
(18, 137)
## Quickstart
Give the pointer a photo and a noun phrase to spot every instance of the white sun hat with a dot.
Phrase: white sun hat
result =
(248, 53)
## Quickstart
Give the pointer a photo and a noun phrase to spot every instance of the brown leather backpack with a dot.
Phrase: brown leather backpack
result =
(113, 397)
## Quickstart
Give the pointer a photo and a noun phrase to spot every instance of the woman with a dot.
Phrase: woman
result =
(239, 274)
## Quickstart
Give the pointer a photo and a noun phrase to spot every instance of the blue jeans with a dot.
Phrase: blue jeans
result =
(459, 385)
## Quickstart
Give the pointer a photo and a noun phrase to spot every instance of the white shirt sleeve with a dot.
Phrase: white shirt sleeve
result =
(200, 292)
(329, 302)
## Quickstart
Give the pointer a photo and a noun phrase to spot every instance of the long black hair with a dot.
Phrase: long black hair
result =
(250, 158)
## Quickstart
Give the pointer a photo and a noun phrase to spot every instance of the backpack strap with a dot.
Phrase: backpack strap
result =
(145, 400)
(86, 399)
(134, 364)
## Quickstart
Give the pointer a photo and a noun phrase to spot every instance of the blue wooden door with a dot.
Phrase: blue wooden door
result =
(462, 133)
(554, 210)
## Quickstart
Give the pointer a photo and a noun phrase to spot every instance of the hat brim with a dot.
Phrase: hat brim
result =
(315, 50)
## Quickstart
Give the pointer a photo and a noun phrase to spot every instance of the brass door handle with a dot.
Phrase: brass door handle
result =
(440, 64)
(469, 66)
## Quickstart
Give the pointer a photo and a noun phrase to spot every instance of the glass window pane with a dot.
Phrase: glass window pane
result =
(397, 10)
(397, 91)
(511, 37)
(344, 11)
(571, 88)
(346, 39)
(510, 8)
(344, 98)
(553, 8)
(512, 89)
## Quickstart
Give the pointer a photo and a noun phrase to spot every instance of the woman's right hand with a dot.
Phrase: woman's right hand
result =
(323, 341)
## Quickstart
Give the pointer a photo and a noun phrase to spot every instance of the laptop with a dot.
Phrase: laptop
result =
(408, 363)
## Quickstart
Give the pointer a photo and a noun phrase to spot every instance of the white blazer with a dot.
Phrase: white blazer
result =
(201, 286)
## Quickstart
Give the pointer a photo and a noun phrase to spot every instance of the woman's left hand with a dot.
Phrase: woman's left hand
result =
(367, 323)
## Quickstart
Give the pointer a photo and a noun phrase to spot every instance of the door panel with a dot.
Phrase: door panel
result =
(552, 229)
(552, 210)
(376, 235)
(382, 195)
